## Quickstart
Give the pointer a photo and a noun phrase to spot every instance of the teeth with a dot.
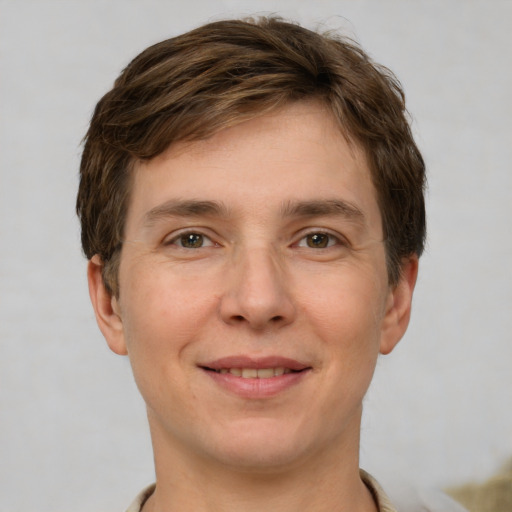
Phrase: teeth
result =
(264, 373)
(253, 373)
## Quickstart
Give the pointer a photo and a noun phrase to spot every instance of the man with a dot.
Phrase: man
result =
(252, 208)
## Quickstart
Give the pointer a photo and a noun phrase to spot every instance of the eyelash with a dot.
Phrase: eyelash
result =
(178, 239)
(332, 240)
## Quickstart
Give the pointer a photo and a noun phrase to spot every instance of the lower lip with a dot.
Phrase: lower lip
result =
(257, 388)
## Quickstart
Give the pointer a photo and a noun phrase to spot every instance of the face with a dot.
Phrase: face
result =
(254, 297)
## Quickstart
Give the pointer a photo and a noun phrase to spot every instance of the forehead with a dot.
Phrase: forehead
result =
(296, 154)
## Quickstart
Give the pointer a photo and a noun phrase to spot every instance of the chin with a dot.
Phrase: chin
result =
(262, 447)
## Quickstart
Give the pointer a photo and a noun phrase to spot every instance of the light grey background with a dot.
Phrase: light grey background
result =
(73, 434)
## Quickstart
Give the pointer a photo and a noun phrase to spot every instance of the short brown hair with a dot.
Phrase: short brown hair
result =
(220, 74)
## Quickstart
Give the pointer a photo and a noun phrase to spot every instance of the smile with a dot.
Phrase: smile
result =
(256, 378)
(255, 373)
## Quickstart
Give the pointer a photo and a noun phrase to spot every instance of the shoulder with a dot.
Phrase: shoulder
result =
(407, 499)
(141, 498)
(410, 499)
(383, 502)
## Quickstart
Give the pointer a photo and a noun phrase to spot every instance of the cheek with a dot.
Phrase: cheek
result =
(163, 311)
(160, 324)
(347, 317)
(347, 308)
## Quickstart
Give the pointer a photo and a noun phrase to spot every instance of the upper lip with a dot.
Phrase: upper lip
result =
(255, 362)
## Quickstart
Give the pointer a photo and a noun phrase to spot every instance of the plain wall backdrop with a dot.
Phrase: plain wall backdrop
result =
(73, 432)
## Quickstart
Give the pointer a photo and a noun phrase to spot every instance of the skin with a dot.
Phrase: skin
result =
(267, 275)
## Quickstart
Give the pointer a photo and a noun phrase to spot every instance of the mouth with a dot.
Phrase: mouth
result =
(256, 377)
(254, 373)
(255, 368)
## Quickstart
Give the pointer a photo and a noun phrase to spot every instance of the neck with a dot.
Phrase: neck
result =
(326, 481)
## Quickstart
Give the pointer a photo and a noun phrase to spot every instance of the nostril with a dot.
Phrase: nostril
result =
(241, 318)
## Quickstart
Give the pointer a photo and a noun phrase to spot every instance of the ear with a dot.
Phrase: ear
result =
(398, 307)
(106, 307)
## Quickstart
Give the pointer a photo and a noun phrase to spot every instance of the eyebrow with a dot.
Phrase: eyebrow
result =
(185, 208)
(311, 208)
(324, 207)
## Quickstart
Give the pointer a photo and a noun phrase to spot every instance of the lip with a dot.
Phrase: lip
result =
(256, 388)
(257, 363)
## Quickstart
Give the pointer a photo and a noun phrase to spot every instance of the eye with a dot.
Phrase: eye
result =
(318, 240)
(191, 240)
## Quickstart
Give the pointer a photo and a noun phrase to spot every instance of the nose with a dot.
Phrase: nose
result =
(256, 292)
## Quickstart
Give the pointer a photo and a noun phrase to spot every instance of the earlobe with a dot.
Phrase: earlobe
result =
(106, 307)
(398, 308)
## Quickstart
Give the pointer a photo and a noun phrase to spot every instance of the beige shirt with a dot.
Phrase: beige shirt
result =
(383, 503)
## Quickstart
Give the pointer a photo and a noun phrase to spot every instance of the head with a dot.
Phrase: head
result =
(192, 86)
(252, 207)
